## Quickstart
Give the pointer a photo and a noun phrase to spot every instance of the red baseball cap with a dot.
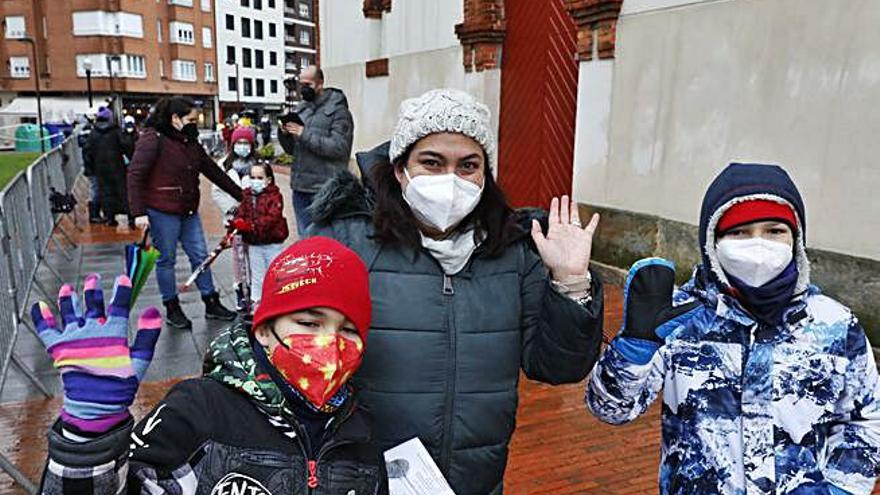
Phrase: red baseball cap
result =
(317, 272)
(756, 210)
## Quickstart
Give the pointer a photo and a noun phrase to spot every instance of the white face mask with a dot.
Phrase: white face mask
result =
(242, 150)
(755, 261)
(441, 201)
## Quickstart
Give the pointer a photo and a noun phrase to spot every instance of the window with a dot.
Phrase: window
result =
(183, 3)
(245, 27)
(230, 22)
(127, 66)
(305, 37)
(261, 87)
(232, 83)
(162, 68)
(206, 5)
(273, 87)
(100, 23)
(246, 59)
(207, 37)
(304, 10)
(181, 32)
(134, 66)
(304, 62)
(245, 3)
(15, 27)
(258, 29)
(159, 30)
(272, 32)
(183, 70)
(273, 58)
(209, 72)
(230, 54)
(19, 67)
(258, 4)
(258, 59)
(271, 4)
(248, 87)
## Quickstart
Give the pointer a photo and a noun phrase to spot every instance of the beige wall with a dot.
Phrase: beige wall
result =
(695, 86)
(419, 40)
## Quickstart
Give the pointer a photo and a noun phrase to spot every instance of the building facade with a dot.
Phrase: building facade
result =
(251, 54)
(633, 106)
(301, 35)
(134, 50)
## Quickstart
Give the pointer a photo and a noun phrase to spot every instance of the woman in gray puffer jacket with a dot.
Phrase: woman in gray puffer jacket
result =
(462, 303)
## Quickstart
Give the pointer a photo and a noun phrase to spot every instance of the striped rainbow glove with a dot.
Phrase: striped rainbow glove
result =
(99, 370)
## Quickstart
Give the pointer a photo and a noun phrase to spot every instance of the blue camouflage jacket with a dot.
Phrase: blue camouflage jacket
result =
(751, 409)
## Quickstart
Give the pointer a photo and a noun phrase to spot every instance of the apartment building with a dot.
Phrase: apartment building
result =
(301, 35)
(250, 54)
(133, 50)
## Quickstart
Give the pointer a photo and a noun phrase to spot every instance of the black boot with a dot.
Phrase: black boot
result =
(174, 316)
(131, 225)
(111, 221)
(95, 213)
(214, 310)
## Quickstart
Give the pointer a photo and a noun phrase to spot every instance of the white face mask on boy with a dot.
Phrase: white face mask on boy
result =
(755, 261)
(441, 201)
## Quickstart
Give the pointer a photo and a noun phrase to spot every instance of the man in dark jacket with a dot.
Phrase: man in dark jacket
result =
(322, 146)
(105, 150)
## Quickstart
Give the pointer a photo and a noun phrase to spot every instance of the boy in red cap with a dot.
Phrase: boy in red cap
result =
(273, 413)
(769, 386)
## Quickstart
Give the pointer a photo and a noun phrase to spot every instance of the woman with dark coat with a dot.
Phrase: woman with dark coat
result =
(462, 303)
(163, 193)
(105, 149)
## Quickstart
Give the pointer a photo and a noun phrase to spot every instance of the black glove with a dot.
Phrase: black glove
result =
(647, 303)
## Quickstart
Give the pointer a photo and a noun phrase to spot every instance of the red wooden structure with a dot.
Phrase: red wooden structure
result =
(539, 75)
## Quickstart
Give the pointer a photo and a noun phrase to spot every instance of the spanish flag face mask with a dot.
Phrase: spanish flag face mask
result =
(317, 365)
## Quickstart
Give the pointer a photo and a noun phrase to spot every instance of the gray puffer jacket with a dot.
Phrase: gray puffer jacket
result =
(324, 147)
(444, 354)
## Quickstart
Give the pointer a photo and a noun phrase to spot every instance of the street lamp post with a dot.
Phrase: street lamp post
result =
(87, 65)
(27, 39)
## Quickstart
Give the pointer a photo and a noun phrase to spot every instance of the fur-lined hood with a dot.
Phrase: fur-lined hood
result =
(743, 182)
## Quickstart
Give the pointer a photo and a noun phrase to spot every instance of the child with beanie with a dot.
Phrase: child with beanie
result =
(260, 218)
(237, 166)
(769, 386)
(273, 412)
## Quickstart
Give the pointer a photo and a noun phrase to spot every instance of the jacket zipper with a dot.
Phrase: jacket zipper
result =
(312, 482)
(445, 453)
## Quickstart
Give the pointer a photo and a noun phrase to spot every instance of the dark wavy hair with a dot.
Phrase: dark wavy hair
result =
(160, 117)
(395, 224)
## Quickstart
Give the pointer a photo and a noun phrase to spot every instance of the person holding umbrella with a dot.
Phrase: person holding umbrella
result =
(163, 193)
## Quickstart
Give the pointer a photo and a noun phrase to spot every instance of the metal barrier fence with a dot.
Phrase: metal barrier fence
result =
(27, 229)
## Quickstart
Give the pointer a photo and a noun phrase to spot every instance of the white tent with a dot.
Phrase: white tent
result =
(55, 109)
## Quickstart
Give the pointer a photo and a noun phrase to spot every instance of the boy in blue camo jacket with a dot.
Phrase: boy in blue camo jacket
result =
(769, 387)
